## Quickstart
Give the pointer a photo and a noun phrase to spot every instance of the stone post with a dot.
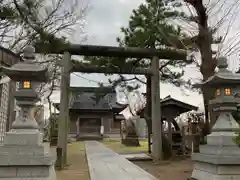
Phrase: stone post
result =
(78, 126)
(23, 154)
(63, 118)
(157, 150)
(195, 137)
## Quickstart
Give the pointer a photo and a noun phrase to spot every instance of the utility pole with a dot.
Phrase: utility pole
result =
(157, 150)
(64, 111)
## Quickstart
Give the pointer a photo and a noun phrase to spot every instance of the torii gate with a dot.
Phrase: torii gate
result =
(110, 51)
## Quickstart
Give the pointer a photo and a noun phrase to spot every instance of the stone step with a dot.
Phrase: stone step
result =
(114, 131)
(85, 137)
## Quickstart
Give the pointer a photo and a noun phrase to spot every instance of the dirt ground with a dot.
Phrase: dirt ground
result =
(78, 167)
(178, 168)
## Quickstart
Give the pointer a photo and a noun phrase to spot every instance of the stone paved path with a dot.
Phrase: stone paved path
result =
(137, 157)
(104, 164)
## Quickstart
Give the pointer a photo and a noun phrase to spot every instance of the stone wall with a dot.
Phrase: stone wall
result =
(4, 93)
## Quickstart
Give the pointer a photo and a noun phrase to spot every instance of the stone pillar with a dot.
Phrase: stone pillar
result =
(78, 126)
(23, 155)
(157, 150)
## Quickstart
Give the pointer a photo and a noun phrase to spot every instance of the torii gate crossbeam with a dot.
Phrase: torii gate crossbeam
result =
(110, 51)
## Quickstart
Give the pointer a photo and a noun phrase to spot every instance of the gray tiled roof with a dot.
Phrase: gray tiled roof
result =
(168, 100)
(84, 98)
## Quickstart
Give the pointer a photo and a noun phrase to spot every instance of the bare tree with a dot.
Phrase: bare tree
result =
(205, 37)
(44, 24)
(39, 22)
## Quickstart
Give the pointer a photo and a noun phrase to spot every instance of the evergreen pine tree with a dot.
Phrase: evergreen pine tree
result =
(151, 25)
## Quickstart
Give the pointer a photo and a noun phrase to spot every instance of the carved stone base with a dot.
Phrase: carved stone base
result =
(219, 159)
(206, 171)
(24, 156)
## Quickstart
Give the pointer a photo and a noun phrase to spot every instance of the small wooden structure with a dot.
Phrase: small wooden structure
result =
(90, 108)
(172, 108)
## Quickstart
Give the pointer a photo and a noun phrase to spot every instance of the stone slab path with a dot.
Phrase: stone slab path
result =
(137, 157)
(105, 164)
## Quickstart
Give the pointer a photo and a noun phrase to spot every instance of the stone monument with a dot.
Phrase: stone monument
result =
(219, 159)
(23, 154)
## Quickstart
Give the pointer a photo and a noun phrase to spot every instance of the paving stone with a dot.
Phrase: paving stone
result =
(137, 157)
(104, 164)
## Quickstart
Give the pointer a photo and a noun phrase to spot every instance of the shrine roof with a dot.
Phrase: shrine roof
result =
(93, 98)
(169, 101)
(84, 98)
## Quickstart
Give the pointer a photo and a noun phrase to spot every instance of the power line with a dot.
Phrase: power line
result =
(91, 80)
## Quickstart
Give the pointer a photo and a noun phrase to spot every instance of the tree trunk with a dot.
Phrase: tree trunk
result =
(208, 63)
(208, 94)
(131, 138)
(207, 69)
(148, 112)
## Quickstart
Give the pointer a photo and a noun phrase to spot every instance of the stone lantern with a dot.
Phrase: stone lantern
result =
(23, 154)
(219, 159)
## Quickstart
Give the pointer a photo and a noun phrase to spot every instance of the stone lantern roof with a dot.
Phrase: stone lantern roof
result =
(223, 76)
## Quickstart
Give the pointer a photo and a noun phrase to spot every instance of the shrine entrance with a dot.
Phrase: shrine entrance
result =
(90, 125)
(107, 51)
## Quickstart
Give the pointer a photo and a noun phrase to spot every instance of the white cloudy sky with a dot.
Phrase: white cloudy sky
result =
(103, 22)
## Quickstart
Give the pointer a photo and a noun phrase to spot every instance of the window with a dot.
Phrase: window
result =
(26, 84)
(218, 92)
(227, 91)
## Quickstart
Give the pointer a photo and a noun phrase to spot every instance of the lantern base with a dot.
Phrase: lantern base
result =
(24, 156)
(27, 137)
(28, 124)
(203, 171)
(219, 159)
